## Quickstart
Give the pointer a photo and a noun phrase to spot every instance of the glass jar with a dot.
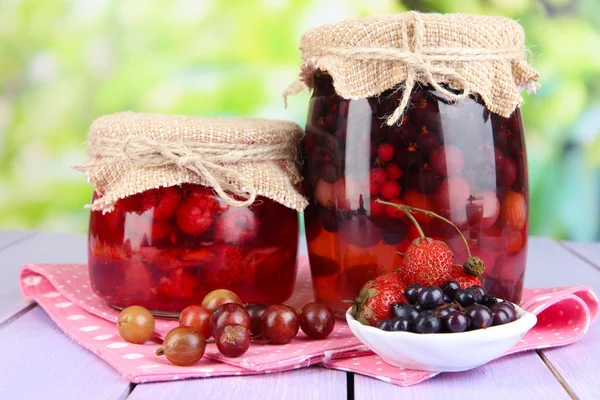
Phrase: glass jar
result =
(166, 248)
(454, 158)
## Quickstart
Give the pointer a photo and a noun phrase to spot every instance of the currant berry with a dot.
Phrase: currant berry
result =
(404, 310)
(401, 325)
(480, 316)
(431, 297)
(412, 293)
(427, 323)
(456, 322)
(385, 152)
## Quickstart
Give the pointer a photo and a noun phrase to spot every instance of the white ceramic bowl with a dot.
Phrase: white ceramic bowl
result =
(443, 352)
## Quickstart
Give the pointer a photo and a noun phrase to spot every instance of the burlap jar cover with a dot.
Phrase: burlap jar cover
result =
(471, 54)
(240, 158)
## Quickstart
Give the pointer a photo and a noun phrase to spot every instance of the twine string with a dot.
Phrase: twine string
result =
(428, 65)
(213, 162)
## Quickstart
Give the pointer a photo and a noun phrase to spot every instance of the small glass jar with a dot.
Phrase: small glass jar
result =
(454, 158)
(165, 249)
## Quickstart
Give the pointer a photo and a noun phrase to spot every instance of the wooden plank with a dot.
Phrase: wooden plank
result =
(549, 264)
(39, 361)
(45, 247)
(7, 238)
(308, 383)
(522, 376)
(588, 251)
(578, 365)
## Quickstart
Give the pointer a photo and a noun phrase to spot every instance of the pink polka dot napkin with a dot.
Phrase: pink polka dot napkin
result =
(64, 292)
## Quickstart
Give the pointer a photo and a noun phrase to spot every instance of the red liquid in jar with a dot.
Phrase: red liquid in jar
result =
(458, 160)
(167, 248)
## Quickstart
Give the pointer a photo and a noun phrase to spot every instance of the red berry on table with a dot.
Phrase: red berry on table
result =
(229, 314)
(233, 340)
(373, 302)
(427, 262)
(280, 324)
(419, 200)
(236, 225)
(391, 190)
(135, 324)
(508, 172)
(447, 160)
(464, 280)
(324, 193)
(393, 171)
(183, 346)
(385, 152)
(195, 213)
(196, 317)
(255, 311)
(513, 212)
(219, 297)
(453, 193)
(317, 320)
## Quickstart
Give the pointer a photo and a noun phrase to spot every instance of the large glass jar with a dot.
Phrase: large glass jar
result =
(456, 159)
(166, 248)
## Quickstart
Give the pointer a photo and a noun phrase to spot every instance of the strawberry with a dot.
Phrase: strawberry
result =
(163, 202)
(195, 213)
(427, 262)
(373, 302)
(464, 280)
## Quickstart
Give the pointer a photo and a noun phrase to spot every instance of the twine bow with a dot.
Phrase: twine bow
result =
(427, 65)
(213, 162)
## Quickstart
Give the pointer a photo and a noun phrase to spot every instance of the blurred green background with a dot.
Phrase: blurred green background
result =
(64, 63)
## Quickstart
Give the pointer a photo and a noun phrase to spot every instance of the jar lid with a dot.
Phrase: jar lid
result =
(239, 158)
(469, 53)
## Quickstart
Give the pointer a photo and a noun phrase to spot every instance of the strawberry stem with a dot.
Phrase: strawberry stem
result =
(431, 214)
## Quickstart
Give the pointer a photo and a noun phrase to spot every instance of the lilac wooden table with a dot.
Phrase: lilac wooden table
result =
(38, 361)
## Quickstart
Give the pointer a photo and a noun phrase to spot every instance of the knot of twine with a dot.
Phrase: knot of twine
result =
(423, 64)
(207, 160)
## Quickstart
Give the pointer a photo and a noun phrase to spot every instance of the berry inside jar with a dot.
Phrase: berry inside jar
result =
(166, 248)
(456, 159)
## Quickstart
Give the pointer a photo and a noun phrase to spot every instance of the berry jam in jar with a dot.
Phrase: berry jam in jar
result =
(183, 206)
(421, 112)
(166, 248)
(455, 159)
